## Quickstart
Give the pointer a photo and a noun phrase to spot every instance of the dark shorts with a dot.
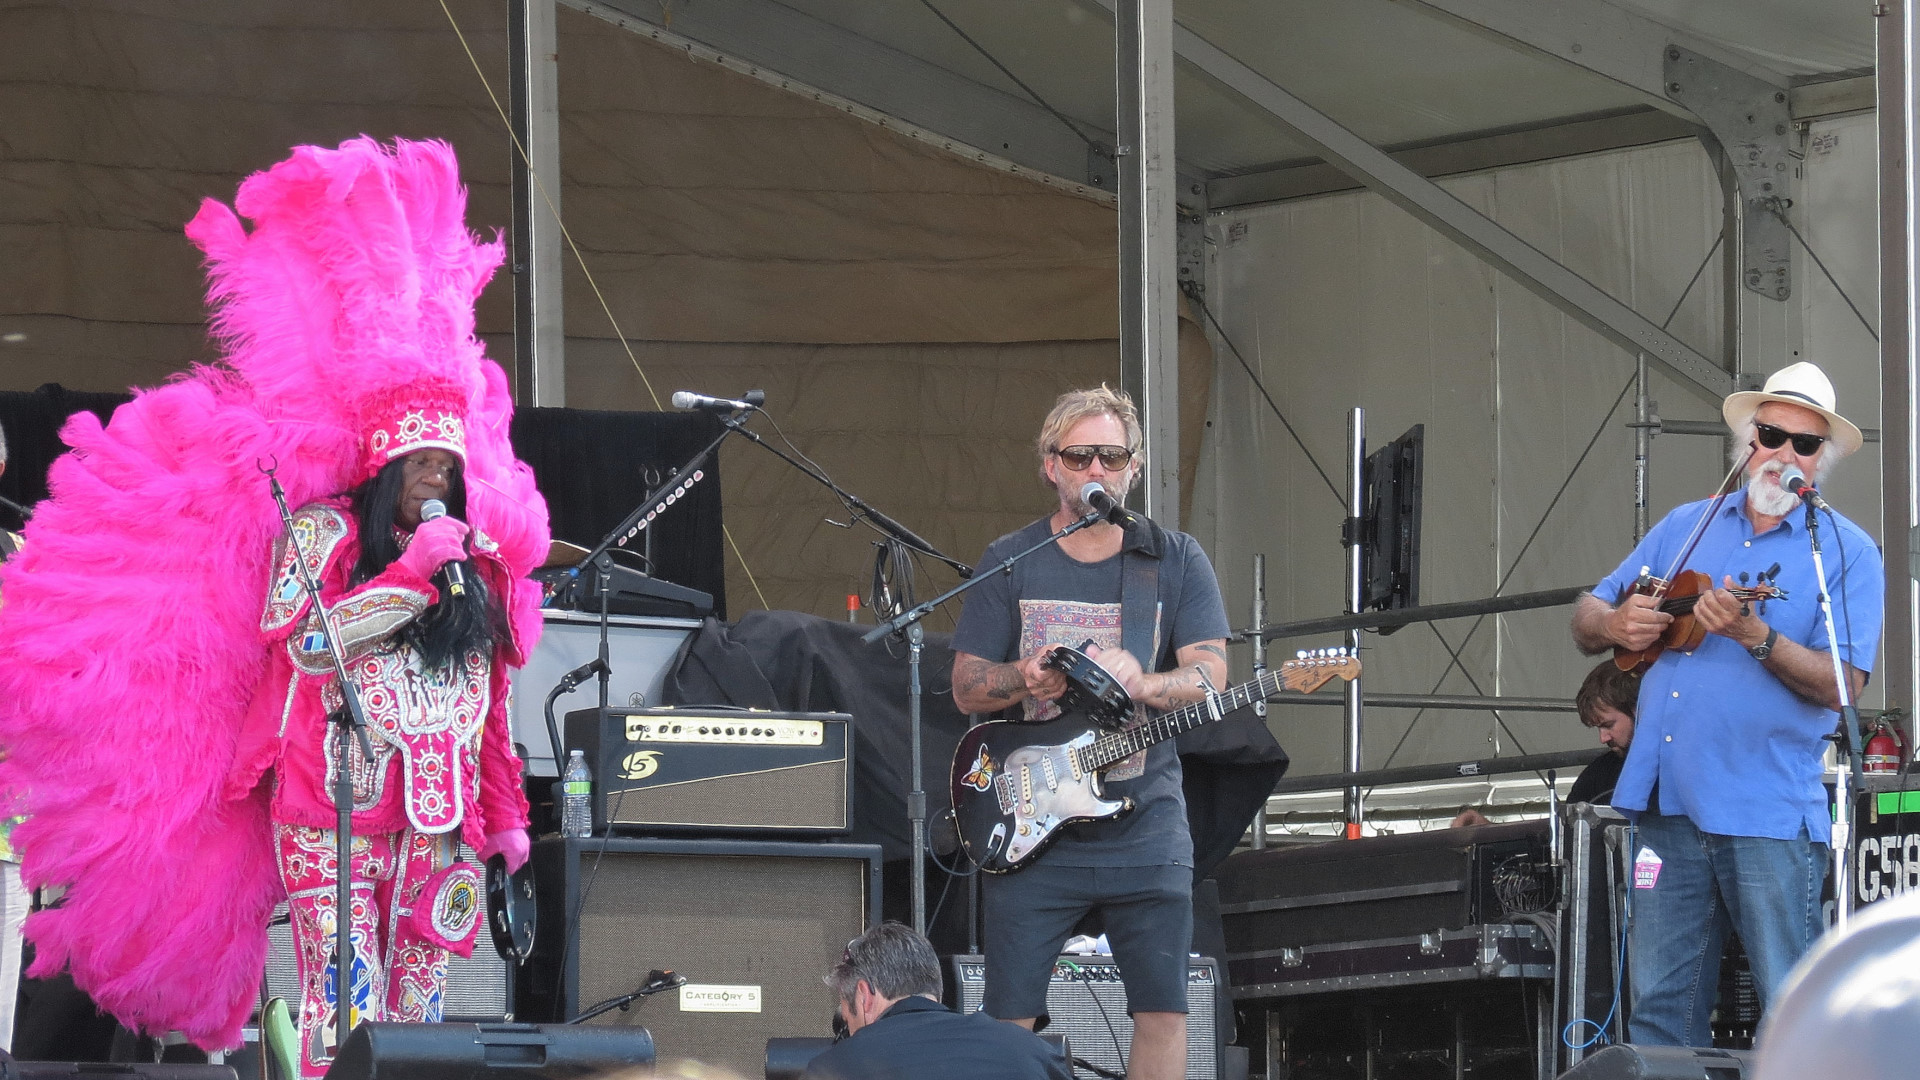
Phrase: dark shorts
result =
(1148, 912)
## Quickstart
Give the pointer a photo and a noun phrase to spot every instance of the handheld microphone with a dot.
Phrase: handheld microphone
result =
(456, 577)
(1796, 483)
(1103, 502)
(687, 399)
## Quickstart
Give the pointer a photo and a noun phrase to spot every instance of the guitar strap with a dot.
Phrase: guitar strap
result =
(1139, 630)
(1140, 608)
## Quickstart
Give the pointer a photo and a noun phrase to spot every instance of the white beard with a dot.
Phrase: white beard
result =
(1766, 496)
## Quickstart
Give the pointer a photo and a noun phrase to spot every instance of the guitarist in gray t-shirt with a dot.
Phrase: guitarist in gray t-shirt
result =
(1145, 603)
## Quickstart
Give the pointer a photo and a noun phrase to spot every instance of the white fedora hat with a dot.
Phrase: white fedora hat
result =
(1800, 384)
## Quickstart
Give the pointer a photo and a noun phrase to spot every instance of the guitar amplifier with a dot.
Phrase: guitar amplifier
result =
(711, 770)
(1087, 1003)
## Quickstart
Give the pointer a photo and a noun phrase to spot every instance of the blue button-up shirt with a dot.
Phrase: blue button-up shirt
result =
(1731, 747)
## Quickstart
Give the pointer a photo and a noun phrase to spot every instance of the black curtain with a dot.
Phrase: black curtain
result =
(32, 421)
(594, 467)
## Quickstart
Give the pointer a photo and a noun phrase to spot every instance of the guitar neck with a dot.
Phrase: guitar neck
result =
(1120, 745)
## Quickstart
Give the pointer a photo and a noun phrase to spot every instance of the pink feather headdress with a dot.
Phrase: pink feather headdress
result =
(129, 644)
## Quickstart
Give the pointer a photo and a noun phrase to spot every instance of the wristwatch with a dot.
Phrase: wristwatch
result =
(1765, 648)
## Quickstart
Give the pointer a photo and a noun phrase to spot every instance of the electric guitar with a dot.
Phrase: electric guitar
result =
(1016, 785)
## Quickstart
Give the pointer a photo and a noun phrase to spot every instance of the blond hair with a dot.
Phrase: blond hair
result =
(1077, 405)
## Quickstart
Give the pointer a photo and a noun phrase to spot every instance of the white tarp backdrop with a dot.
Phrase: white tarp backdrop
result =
(911, 314)
(1345, 300)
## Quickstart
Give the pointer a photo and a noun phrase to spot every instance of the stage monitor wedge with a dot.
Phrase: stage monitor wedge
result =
(390, 1051)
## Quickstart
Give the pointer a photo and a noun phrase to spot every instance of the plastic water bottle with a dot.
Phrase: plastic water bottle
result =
(576, 798)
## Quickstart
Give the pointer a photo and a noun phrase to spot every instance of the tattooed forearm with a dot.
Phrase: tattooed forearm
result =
(1003, 681)
(1215, 650)
(1177, 687)
(980, 685)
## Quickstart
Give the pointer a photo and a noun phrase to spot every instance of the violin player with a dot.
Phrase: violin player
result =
(1731, 819)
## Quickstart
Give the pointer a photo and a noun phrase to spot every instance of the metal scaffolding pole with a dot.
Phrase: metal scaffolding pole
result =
(1352, 701)
(1149, 249)
(1896, 89)
(1259, 669)
(539, 334)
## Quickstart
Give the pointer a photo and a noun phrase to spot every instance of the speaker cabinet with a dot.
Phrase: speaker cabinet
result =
(1087, 1003)
(751, 924)
(100, 1070)
(479, 988)
(717, 771)
(1628, 1062)
(387, 1051)
(787, 1059)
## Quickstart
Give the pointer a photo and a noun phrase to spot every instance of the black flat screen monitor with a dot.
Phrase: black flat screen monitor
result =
(1390, 524)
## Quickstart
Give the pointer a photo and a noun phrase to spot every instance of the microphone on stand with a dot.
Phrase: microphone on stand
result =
(1796, 483)
(687, 399)
(456, 577)
(572, 679)
(1103, 503)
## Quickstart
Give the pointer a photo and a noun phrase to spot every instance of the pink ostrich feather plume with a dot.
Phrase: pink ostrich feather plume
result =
(129, 640)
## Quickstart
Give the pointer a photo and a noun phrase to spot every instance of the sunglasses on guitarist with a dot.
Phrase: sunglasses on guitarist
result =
(1077, 458)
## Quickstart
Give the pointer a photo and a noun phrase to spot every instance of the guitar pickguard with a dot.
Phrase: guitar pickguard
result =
(1047, 792)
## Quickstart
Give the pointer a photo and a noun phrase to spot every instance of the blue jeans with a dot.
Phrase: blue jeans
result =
(1767, 891)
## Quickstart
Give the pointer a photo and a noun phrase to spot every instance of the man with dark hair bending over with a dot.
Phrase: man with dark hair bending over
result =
(887, 986)
(1147, 599)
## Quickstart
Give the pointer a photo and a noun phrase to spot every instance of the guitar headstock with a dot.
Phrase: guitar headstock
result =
(1315, 668)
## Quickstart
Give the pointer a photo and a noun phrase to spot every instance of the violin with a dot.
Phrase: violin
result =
(1677, 598)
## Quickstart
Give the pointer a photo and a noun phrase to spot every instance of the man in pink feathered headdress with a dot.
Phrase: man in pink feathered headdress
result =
(174, 744)
(418, 600)
(421, 623)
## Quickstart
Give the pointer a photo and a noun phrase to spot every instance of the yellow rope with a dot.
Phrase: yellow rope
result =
(540, 184)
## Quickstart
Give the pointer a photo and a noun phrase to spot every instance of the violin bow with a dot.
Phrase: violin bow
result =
(1700, 527)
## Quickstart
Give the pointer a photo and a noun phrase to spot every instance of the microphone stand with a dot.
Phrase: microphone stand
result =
(1846, 741)
(880, 521)
(25, 514)
(910, 621)
(351, 722)
(601, 558)
(658, 982)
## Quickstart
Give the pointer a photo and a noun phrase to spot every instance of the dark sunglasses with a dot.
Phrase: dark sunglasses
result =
(1805, 443)
(1077, 458)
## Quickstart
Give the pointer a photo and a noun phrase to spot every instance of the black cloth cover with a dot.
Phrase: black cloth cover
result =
(593, 467)
(788, 660)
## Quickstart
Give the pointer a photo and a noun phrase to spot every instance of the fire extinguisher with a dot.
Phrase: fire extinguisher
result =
(1885, 750)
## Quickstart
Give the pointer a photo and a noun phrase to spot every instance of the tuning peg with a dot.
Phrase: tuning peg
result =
(1743, 579)
(1300, 654)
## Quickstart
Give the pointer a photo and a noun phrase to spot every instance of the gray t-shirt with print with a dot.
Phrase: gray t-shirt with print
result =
(1049, 598)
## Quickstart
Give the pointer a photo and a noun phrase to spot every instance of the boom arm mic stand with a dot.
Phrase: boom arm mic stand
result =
(861, 507)
(909, 620)
(351, 724)
(25, 514)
